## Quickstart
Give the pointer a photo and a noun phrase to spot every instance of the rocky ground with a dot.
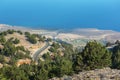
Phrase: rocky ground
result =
(98, 74)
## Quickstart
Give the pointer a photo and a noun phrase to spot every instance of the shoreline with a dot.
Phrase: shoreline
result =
(75, 37)
(56, 29)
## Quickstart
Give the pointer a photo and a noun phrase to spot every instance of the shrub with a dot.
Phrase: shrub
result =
(93, 56)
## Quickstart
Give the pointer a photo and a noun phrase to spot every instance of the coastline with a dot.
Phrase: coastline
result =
(76, 37)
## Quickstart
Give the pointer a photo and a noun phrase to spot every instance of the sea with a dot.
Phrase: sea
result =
(61, 14)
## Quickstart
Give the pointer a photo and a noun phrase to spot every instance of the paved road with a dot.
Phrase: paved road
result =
(36, 54)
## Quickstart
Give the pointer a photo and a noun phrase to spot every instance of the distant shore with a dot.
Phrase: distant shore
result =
(77, 37)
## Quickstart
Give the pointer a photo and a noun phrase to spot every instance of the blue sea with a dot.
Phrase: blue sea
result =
(61, 14)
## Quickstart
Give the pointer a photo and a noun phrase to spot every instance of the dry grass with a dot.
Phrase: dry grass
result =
(23, 42)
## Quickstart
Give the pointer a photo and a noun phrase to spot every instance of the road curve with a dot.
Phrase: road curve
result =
(36, 54)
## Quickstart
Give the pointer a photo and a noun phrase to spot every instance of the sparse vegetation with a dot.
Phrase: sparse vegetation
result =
(93, 56)
(54, 47)
(10, 31)
(20, 32)
(31, 37)
(16, 41)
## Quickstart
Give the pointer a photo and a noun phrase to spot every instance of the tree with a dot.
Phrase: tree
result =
(31, 38)
(13, 73)
(52, 49)
(61, 66)
(10, 31)
(66, 67)
(27, 33)
(2, 59)
(16, 41)
(116, 57)
(42, 74)
(55, 45)
(4, 33)
(2, 39)
(78, 64)
(93, 56)
(9, 49)
(20, 32)
(47, 56)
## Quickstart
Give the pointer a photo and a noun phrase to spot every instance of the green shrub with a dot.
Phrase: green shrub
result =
(116, 57)
(94, 56)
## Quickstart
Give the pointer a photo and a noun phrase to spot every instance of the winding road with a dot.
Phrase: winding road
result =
(36, 54)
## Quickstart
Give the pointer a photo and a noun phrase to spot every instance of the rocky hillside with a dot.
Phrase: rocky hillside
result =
(98, 74)
(17, 47)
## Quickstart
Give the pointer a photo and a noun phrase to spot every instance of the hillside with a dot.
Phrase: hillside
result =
(76, 37)
(19, 46)
(42, 55)
(19, 50)
(24, 42)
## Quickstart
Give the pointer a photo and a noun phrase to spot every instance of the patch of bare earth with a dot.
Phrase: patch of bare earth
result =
(23, 61)
(1, 65)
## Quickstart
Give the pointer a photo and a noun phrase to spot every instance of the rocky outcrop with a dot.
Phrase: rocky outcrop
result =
(98, 74)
